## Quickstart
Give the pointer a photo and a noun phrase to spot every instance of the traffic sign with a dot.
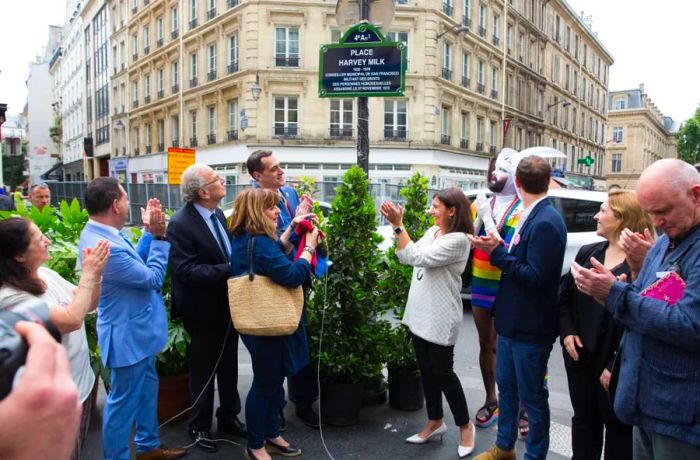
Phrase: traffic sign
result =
(178, 160)
(363, 64)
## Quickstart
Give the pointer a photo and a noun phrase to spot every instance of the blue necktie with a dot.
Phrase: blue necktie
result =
(219, 236)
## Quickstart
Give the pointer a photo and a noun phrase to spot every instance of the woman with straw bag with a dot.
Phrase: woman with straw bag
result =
(254, 226)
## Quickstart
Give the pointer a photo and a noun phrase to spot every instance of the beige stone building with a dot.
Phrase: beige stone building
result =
(192, 66)
(638, 135)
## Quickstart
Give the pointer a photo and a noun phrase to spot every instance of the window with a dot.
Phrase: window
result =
(445, 126)
(341, 118)
(509, 39)
(446, 60)
(616, 163)
(211, 132)
(557, 25)
(521, 49)
(467, 13)
(135, 46)
(617, 134)
(466, 71)
(174, 23)
(481, 77)
(578, 214)
(193, 128)
(479, 134)
(464, 131)
(160, 81)
(135, 92)
(174, 75)
(232, 120)
(233, 53)
(211, 8)
(193, 12)
(146, 39)
(496, 29)
(395, 119)
(193, 69)
(287, 47)
(147, 132)
(175, 129)
(147, 88)
(482, 19)
(493, 135)
(447, 7)
(568, 38)
(494, 82)
(211, 62)
(286, 116)
(619, 104)
(159, 30)
(555, 68)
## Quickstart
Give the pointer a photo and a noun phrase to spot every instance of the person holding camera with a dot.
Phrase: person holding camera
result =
(40, 417)
(255, 215)
(23, 251)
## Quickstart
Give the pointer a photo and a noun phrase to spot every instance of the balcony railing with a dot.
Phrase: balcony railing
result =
(146, 49)
(445, 139)
(480, 88)
(231, 3)
(284, 61)
(479, 146)
(211, 14)
(447, 9)
(193, 141)
(193, 23)
(146, 2)
(193, 82)
(494, 94)
(466, 82)
(232, 135)
(136, 151)
(285, 131)
(134, 9)
(148, 149)
(340, 132)
(174, 33)
(146, 99)
(467, 21)
(159, 42)
(211, 138)
(492, 149)
(482, 31)
(495, 40)
(123, 150)
(175, 143)
(232, 67)
(175, 88)
(211, 75)
(161, 147)
(134, 57)
(161, 93)
(134, 104)
(122, 108)
(464, 143)
(391, 134)
(122, 66)
(446, 73)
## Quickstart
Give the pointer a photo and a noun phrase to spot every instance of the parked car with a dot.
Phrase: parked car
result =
(577, 207)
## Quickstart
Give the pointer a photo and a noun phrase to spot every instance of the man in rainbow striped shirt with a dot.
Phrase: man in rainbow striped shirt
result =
(501, 213)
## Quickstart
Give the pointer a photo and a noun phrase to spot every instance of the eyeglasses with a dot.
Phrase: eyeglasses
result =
(218, 179)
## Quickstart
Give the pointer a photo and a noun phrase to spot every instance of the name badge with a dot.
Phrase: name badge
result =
(662, 274)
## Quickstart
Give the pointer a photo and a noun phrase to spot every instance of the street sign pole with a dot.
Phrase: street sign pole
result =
(363, 113)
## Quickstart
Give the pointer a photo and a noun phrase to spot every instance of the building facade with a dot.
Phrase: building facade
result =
(639, 134)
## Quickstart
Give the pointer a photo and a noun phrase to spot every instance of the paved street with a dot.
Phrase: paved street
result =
(381, 430)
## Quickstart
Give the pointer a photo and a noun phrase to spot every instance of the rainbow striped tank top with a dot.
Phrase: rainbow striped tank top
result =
(486, 277)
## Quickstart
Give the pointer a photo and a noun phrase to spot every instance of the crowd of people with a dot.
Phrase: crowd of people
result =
(627, 315)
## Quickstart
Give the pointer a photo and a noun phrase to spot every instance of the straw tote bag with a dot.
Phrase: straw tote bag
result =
(259, 306)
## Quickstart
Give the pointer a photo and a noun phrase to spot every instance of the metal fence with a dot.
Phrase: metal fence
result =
(170, 198)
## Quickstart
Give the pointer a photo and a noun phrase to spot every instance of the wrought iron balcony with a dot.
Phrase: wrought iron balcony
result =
(232, 135)
(175, 143)
(466, 82)
(211, 138)
(464, 143)
(134, 57)
(136, 151)
(446, 73)
(175, 88)
(232, 67)
(480, 88)
(161, 147)
(211, 14)
(340, 132)
(161, 93)
(479, 146)
(193, 23)
(159, 42)
(285, 131)
(193, 82)
(148, 149)
(445, 139)
(134, 104)
(495, 40)
(231, 3)
(174, 33)
(391, 134)
(467, 21)
(193, 141)
(146, 99)
(494, 94)
(447, 9)
(134, 9)
(146, 49)
(492, 149)
(482, 31)
(284, 61)
(211, 75)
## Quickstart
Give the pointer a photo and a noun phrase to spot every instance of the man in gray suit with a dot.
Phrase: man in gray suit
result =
(6, 203)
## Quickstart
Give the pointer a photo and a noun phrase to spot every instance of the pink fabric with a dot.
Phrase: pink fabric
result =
(302, 229)
(670, 289)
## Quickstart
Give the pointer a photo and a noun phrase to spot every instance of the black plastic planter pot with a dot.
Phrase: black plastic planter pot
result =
(405, 389)
(340, 403)
(375, 392)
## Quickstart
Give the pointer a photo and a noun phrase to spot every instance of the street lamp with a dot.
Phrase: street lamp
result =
(460, 29)
(565, 103)
(255, 89)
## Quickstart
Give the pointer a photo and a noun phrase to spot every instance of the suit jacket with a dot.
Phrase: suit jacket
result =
(199, 268)
(526, 304)
(131, 320)
(6, 203)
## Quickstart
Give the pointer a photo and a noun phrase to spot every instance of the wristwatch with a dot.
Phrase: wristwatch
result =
(398, 230)
(159, 238)
(309, 249)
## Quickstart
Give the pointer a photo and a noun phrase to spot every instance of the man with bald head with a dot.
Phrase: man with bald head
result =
(659, 364)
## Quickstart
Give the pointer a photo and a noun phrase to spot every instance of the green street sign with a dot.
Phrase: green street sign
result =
(363, 64)
(588, 161)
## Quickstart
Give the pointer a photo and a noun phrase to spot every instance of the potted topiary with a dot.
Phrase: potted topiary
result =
(343, 314)
(405, 387)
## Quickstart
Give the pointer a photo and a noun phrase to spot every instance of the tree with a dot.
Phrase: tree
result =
(689, 139)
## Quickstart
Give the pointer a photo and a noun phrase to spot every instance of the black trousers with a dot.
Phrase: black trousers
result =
(436, 364)
(204, 349)
(592, 412)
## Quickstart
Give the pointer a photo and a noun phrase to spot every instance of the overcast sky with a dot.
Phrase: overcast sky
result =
(652, 43)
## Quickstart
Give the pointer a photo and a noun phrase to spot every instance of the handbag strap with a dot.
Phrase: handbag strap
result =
(251, 245)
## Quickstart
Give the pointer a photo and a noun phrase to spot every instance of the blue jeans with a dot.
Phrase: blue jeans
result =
(264, 401)
(520, 374)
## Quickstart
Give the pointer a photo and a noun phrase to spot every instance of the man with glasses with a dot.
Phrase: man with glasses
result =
(200, 265)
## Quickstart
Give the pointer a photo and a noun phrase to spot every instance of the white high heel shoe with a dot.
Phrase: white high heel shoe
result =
(439, 431)
(464, 451)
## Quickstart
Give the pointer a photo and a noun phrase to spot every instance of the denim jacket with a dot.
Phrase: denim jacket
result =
(659, 382)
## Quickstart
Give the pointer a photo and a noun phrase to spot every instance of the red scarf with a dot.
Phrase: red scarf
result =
(302, 230)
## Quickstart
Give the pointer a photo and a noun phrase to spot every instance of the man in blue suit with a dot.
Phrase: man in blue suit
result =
(525, 311)
(266, 170)
(131, 321)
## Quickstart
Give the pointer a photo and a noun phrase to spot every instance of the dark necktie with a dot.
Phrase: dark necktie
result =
(219, 235)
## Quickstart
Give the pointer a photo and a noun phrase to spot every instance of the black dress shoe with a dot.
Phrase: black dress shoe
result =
(286, 451)
(232, 426)
(308, 416)
(283, 422)
(202, 441)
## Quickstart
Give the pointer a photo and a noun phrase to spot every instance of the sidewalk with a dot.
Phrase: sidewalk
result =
(380, 432)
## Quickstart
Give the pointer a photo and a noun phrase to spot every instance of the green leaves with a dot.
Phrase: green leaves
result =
(689, 139)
